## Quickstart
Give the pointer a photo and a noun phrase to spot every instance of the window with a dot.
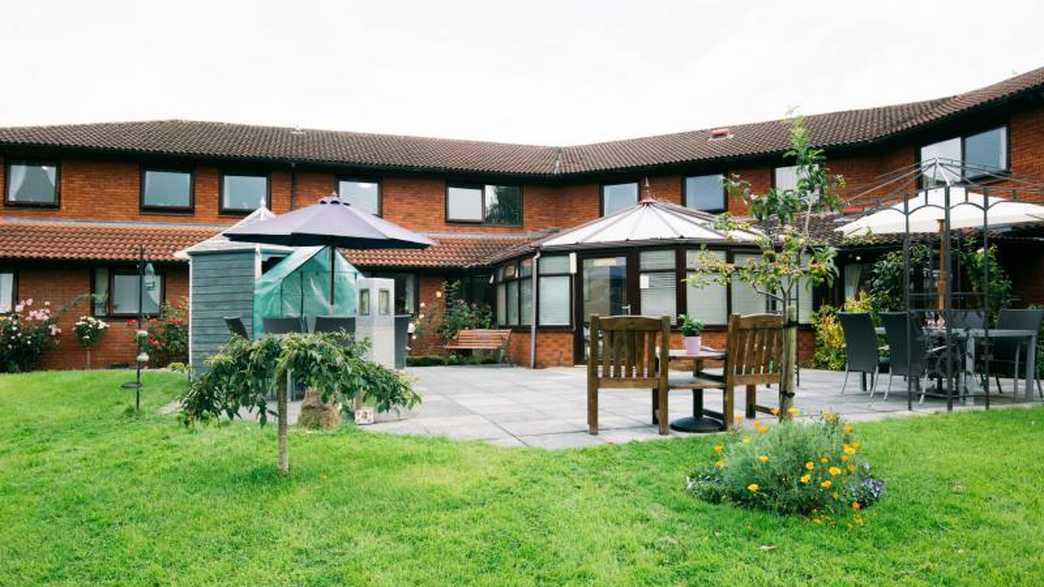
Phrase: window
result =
(32, 183)
(658, 283)
(744, 299)
(617, 196)
(243, 192)
(514, 294)
(166, 189)
(405, 291)
(486, 204)
(7, 291)
(962, 158)
(476, 289)
(708, 303)
(116, 293)
(555, 303)
(361, 193)
(705, 192)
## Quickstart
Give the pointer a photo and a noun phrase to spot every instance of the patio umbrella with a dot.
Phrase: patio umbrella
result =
(927, 213)
(333, 223)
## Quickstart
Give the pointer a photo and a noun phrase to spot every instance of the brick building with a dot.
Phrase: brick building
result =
(80, 199)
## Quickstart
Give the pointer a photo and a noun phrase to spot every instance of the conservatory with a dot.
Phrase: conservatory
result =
(633, 261)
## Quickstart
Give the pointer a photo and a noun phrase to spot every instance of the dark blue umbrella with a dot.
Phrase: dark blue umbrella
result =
(333, 223)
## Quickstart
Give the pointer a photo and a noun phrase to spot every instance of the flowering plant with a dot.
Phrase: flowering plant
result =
(89, 330)
(25, 335)
(165, 337)
(812, 468)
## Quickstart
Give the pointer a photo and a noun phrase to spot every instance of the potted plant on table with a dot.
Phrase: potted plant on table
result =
(692, 330)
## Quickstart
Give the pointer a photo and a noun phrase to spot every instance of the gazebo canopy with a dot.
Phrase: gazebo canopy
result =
(650, 222)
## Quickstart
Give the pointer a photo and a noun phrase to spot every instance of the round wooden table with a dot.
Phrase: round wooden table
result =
(698, 422)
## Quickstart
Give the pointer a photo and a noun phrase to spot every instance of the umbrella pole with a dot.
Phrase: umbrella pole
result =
(333, 273)
(940, 287)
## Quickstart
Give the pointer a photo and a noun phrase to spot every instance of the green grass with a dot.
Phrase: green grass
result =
(90, 494)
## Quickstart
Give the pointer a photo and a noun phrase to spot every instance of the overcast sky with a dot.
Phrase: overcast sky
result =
(537, 71)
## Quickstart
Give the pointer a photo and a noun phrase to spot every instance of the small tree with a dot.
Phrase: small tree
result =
(793, 257)
(243, 374)
(89, 331)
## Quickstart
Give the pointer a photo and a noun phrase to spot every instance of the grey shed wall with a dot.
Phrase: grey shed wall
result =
(222, 285)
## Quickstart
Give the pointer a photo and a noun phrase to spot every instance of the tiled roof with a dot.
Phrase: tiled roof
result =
(96, 241)
(448, 252)
(264, 143)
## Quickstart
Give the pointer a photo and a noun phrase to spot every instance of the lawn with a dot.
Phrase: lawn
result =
(90, 493)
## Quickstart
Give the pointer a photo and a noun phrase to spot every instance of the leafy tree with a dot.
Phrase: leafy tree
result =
(793, 257)
(243, 374)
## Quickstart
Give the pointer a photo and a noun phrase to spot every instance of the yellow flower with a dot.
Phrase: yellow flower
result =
(844, 458)
(806, 478)
(834, 471)
(717, 448)
(810, 465)
(826, 484)
(793, 411)
(761, 427)
(753, 488)
(824, 460)
(856, 505)
(719, 464)
(849, 449)
(763, 458)
(847, 429)
(851, 467)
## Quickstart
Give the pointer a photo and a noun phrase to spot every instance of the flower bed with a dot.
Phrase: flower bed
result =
(25, 335)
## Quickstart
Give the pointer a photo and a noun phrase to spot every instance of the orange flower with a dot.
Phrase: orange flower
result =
(717, 448)
(844, 458)
(826, 484)
(856, 505)
(763, 458)
(810, 465)
(806, 478)
(834, 471)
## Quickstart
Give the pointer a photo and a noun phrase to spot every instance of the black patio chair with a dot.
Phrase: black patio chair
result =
(967, 319)
(861, 350)
(236, 327)
(1009, 352)
(336, 324)
(914, 357)
(283, 325)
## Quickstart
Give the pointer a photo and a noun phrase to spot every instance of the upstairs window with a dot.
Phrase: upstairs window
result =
(963, 158)
(364, 194)
(705, 192)
(484, 204)
(167, 189)
(786, 178)
(242, 192)
(617, 196)
(32, 183)
(7, 291)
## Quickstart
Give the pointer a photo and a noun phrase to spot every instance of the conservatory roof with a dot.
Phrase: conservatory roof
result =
(650, 222)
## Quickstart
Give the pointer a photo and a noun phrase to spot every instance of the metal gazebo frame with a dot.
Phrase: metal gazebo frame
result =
(947, 174)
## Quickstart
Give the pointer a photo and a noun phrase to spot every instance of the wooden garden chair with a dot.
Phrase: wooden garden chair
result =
(754, 356)
(632, 353)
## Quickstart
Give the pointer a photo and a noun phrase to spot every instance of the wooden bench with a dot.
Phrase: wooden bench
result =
(480, 340)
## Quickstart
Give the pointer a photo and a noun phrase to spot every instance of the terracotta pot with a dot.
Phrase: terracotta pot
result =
(693, 344)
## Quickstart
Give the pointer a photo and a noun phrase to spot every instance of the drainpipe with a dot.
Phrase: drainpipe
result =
(533, 320)
(293, 185)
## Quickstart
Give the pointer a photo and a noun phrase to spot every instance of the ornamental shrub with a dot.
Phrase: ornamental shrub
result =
(830, 338)
(25, 335)
(454, 315)
(809, 468)
(167, 338)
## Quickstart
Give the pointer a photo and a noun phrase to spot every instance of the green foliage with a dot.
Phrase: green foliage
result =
(167, 339)
(794, 257)
(886, 282)
(978, 264)
(809, 468)
(425, 361)
(25, 335)
(454, 315)
(243, 374)
(690, 326)
(830, 338)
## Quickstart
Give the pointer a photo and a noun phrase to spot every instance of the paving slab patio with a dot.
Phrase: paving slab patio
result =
(547, 408)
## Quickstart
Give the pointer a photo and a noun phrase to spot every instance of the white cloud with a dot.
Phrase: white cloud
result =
(537, 72)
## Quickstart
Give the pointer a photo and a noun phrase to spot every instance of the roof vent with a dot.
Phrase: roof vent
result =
(297, 131)
(719, 134)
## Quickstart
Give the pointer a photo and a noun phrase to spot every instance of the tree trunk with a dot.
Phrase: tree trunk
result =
(284, 452)
(788, 385)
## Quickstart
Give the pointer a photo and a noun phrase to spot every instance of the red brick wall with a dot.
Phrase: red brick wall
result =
(66, 288)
